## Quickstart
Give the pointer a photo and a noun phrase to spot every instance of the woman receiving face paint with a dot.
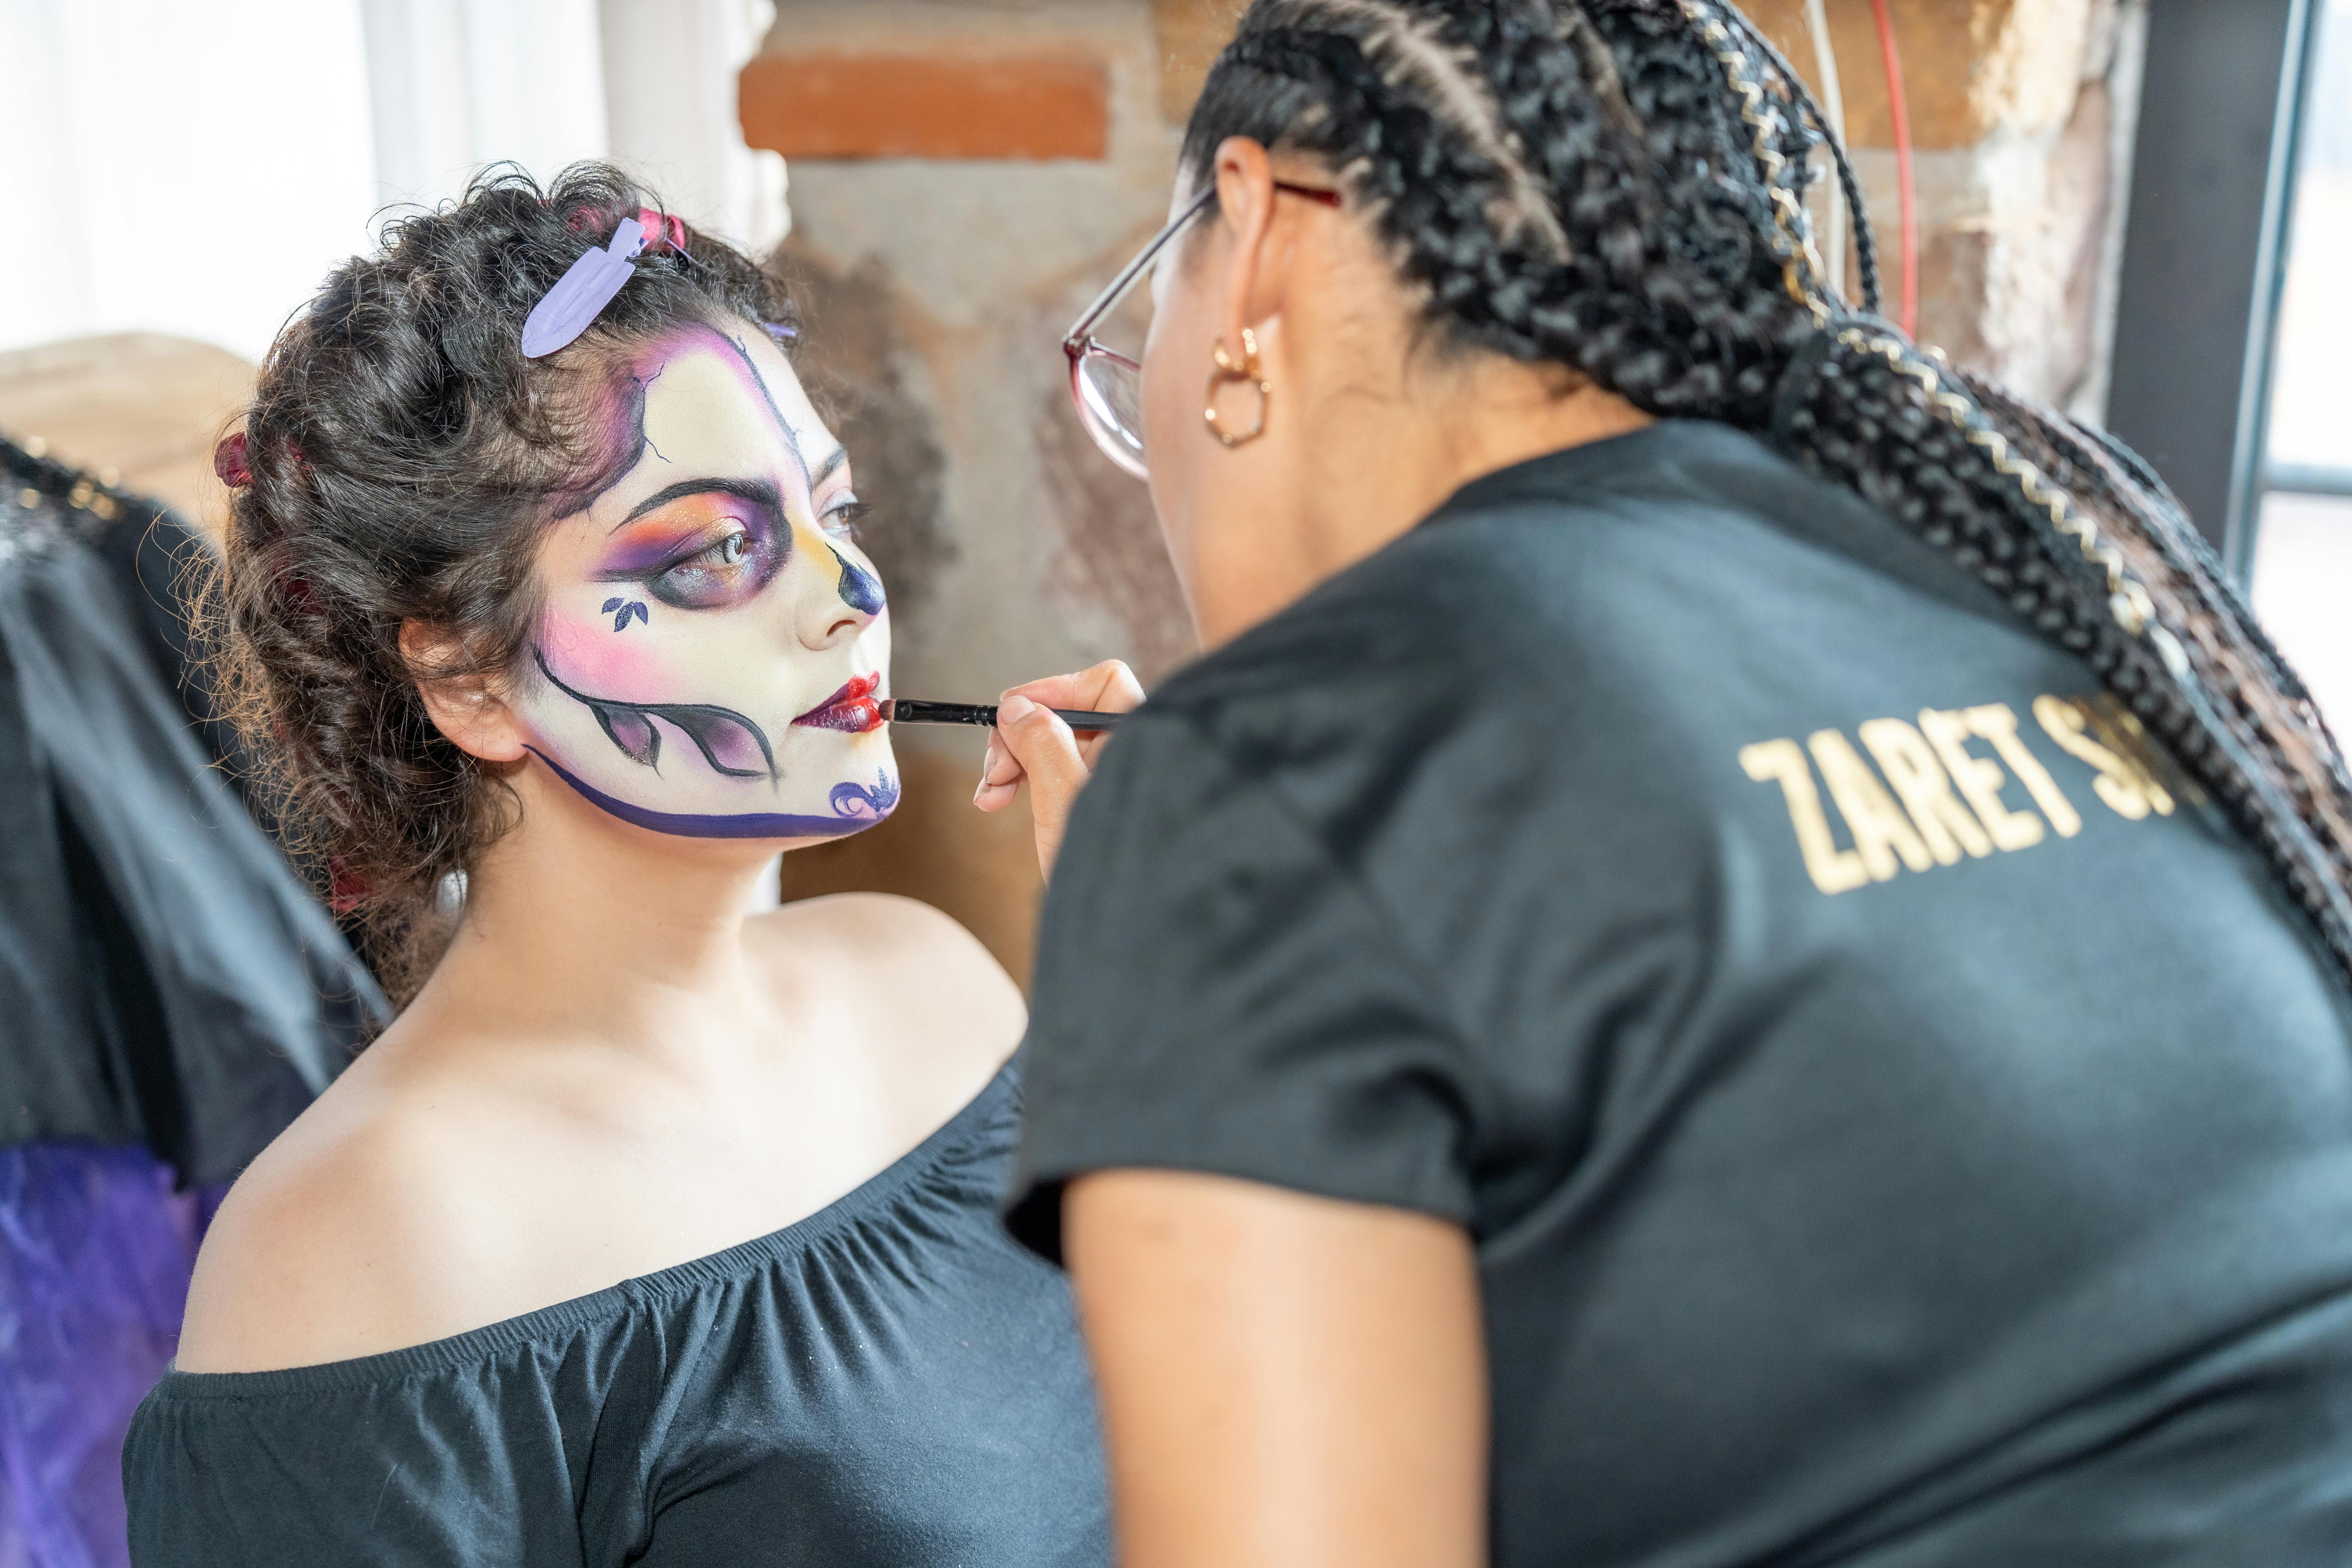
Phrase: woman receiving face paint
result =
(649, 1233)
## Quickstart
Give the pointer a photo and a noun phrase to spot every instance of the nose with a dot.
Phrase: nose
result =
(839, 597)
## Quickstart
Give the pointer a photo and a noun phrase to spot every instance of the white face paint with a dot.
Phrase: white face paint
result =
(714, 643)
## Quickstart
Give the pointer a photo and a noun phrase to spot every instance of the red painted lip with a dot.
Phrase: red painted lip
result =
(853, 709)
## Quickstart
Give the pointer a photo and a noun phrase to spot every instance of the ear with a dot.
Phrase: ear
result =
(1263, 250)
(469, 708)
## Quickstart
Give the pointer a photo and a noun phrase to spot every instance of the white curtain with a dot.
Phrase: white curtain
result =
(669, 97)
(197, 168)
(456, 84)
(179, 168)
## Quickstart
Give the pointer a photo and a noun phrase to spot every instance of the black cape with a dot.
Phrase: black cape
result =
(165, 977)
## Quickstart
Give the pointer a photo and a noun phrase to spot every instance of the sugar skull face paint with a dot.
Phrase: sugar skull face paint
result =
(715, 647)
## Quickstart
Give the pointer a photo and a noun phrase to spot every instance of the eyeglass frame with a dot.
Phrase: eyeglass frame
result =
(1077, 343)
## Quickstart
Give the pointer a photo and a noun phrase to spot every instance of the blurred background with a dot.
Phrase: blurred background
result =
(2139, 210)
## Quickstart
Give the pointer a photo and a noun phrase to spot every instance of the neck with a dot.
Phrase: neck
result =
(584, 927)
(1366, 469)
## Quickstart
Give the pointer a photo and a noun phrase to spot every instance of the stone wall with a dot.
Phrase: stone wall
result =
(2021, 117)
(967, 173)
(936, 290)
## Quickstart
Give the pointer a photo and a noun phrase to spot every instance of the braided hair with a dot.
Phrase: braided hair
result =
(398, 462)
(1618, 187)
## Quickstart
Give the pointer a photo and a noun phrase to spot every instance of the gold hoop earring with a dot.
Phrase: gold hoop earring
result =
(1247, 370)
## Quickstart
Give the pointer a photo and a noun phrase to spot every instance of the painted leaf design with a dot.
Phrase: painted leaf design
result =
(630, 731)
(612, 604)
(728, 741)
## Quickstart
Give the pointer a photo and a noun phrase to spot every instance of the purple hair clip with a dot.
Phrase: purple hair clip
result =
(565, 312)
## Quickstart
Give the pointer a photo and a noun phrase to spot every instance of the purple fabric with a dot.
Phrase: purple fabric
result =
(95, 1253)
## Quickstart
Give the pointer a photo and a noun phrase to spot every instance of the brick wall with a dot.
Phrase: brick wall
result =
(966, 173)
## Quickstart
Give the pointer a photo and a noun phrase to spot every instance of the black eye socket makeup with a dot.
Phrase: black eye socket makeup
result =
(716, 543)
(723, 574)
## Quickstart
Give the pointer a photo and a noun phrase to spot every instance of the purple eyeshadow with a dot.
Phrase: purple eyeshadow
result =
(642, 557)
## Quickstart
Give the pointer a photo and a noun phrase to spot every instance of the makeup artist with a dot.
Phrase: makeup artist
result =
(1736, 951)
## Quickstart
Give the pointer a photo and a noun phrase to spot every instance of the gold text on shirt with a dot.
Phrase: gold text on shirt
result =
(1938, 791)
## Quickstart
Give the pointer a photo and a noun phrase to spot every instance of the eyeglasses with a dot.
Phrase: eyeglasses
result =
(1106, 384)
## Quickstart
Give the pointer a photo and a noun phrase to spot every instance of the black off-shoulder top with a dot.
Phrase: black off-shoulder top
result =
(887, 1381)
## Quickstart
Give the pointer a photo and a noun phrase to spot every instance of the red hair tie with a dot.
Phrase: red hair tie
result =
(228, 462)
(346, 888)
(662, 229)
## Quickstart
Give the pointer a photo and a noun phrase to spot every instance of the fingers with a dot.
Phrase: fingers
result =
(1108, 688)
(1119, 691)
(1030, 745)
(1000, 777)
(1047, 755)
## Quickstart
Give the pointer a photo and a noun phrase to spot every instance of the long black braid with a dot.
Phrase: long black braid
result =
(1618, 186)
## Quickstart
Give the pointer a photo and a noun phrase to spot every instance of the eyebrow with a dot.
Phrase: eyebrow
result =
(759, 492)
(824, 469)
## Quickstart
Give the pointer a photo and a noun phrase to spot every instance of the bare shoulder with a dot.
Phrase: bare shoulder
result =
(933, 992)
(360, 1230)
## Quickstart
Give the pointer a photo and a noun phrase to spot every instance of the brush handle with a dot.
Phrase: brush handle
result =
(909, 710)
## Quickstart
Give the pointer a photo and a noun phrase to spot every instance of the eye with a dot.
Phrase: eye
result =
(840, 516)
(721, 554)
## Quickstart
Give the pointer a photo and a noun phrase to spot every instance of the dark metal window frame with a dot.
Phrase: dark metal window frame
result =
(2205, 251)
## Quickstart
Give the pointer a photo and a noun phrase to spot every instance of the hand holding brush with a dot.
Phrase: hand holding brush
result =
(1050, 733)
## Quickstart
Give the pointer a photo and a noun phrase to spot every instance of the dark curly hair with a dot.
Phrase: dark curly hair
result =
(401, 458)
(1617, 186)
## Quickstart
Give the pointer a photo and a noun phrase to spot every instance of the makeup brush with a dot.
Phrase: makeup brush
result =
(907, 710)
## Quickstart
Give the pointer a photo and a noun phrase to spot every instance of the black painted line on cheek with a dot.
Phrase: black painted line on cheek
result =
(792, 436)
(709, 726)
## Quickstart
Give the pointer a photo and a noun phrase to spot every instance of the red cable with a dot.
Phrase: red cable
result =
(1908, 195)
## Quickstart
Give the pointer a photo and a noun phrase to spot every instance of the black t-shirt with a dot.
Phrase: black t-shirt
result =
(1898, 1122)
(887, 1383)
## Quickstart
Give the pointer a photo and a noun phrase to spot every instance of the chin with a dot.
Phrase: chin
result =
(861, 794)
